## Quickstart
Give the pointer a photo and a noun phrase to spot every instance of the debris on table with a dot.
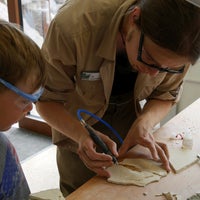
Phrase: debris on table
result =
(170, 196)
(194, 197)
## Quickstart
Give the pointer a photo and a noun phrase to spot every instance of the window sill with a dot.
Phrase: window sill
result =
(36, 124)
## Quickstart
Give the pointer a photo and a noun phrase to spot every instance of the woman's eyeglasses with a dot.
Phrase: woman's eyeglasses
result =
(160, 69)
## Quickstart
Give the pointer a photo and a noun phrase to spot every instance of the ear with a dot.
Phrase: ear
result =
(135, 14)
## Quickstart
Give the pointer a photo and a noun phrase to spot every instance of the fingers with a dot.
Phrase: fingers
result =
(165, 149)
(159, 151)
(164, 155)
(97, 162)
(111, 145)
(127, 145)
(124, 148)
(151, 145)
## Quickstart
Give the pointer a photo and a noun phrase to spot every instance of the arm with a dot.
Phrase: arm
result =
(61, 56)
(60, 119)
(140, 131)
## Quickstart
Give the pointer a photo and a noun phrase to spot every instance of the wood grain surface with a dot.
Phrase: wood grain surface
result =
(185, 183)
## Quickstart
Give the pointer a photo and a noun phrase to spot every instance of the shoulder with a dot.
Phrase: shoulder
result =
(78, 15)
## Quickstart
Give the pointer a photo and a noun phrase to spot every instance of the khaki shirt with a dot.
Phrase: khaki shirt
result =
(80, 50)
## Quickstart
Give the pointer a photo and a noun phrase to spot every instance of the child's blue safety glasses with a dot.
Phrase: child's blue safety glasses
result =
(31, 97)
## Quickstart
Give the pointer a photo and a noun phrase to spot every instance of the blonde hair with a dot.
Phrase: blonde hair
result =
(20, 57)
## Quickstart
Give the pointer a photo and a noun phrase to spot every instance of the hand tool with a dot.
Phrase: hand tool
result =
(98, 141)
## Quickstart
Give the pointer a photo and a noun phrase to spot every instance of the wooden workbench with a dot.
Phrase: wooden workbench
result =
(186, 183)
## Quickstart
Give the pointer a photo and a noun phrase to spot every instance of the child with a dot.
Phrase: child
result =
(22, 75)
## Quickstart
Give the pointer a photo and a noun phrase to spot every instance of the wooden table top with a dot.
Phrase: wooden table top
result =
(185, 183)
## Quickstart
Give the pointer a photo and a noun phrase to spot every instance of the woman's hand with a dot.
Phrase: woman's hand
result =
(95, 161)
(140, 133)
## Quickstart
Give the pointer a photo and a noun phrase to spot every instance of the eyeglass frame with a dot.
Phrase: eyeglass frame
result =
(160, 69)
(30, 97)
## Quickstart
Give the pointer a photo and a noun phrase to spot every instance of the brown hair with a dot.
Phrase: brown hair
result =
(172, 24)
(20, 57)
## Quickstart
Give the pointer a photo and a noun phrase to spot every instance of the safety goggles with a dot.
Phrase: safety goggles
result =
(31, 97)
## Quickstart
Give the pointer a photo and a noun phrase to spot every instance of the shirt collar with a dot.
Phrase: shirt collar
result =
(107, 48)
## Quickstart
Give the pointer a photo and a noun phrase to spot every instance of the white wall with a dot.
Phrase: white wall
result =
(191, 91)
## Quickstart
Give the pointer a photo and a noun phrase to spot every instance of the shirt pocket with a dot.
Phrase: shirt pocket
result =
(89, 85)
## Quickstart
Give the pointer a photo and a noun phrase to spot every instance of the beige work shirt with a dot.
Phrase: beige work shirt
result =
(80, 50)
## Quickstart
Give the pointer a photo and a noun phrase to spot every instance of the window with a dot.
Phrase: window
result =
(37, 15)
(3, 10)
